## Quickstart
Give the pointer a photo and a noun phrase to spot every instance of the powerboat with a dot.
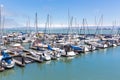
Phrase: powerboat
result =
(6, 59)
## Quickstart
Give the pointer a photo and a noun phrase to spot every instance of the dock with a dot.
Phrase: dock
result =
(35, 59)
(19, 63)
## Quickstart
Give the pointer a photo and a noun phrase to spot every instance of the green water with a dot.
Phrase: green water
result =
(103, 64)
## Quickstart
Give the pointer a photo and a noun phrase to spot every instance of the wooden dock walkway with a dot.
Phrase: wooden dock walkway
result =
(35, 59)
(19, 63)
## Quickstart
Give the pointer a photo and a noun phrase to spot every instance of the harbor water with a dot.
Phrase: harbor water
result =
(103, 64)
(65, 30)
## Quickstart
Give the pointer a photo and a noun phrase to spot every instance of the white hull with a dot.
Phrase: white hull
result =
(103, 46)
(114, 45)
(86, 49)
(46, 57)
(71, 53)
(58, 55)
(6, 65)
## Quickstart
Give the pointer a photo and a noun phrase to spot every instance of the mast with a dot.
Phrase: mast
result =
(118, 31)
(68, 22)
(86, 25)
(82, 27)
(71, 24)
(1, 23)
(36, 23)
(80, 32)
(29, 25)
(47, 25)
(26, 26)
(96, 26)
(76, 26)
(3, 26)
(114, 24)
(83, 23)
(101, 23)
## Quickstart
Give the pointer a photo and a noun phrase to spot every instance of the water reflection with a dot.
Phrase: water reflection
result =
(78, 56)
(92, 64)
(6, 74)
(67, 60)
(22, 71)
(47, 62)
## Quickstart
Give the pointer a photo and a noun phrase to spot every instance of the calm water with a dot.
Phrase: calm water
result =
(98, 65)
(64, 30)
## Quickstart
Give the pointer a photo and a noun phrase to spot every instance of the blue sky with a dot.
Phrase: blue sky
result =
(17, 11)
